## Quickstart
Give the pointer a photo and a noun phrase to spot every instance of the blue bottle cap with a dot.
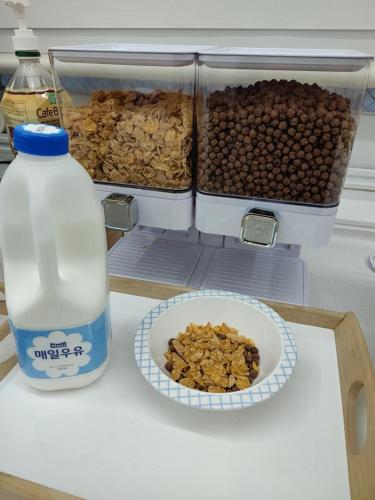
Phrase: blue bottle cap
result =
(40, 139)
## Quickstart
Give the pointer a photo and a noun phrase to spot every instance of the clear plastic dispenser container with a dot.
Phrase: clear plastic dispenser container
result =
(276, 126)
(129, 113)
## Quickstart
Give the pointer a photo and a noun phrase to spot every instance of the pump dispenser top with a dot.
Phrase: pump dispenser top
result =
(24, 39)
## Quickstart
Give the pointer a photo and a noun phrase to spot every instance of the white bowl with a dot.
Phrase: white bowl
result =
(252, 318)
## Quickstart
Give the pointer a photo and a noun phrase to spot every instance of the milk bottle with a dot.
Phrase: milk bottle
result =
(52, 238)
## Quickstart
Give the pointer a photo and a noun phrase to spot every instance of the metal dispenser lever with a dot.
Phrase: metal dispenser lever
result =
(120, 212)
(259, 228)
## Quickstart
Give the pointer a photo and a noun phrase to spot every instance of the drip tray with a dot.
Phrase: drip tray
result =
(154, 259)
(259, 273)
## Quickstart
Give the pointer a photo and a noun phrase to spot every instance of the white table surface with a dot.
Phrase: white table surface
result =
(120, 439)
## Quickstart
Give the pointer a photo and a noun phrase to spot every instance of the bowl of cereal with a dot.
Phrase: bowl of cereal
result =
(215, 350)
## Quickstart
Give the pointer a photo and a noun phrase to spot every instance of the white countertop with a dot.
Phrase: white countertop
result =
(341, 279)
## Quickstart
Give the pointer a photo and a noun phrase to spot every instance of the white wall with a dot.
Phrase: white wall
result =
(319, 23)
(206, 14)
(261, 23)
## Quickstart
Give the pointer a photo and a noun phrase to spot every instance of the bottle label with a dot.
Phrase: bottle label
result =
(25, 107)
(63, 352)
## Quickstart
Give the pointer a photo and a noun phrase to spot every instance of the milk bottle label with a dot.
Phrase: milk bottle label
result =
(63, 352)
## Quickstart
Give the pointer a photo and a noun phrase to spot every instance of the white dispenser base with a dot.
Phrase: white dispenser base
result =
(199, 260)
(169, 210)
(298, 224)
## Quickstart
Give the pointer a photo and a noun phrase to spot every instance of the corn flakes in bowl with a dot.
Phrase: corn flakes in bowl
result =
(215, 350)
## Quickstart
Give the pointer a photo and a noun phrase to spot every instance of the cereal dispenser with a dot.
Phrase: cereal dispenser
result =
(275, 133)
(129, 113)
(221, 181)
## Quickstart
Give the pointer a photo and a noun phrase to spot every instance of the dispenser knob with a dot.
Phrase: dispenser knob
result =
(120, 212)
(259, 228)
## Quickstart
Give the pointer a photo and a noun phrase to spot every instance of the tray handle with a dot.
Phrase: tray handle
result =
(356, 376)
(3, 309)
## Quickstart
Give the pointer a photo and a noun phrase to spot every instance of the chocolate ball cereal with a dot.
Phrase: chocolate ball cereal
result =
(275, 139)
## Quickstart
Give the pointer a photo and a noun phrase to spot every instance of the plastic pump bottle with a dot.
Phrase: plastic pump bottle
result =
(29, 95)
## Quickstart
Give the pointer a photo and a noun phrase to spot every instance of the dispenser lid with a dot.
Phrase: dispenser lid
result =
(284, 58)
(132, 54)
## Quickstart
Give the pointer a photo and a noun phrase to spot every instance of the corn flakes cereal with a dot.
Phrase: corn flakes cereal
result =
(212, 358)
(133, 137)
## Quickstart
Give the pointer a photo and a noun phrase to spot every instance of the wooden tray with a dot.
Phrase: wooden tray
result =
(355, 371)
